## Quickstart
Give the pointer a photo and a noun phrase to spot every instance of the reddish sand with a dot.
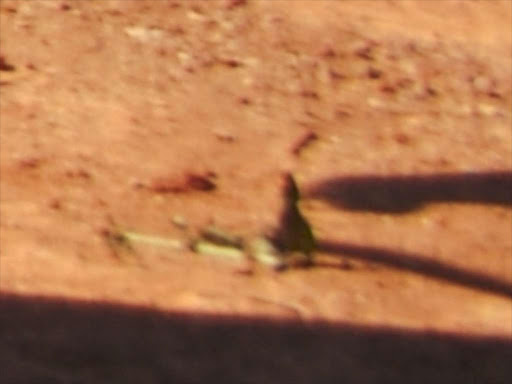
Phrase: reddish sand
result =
(395, 118)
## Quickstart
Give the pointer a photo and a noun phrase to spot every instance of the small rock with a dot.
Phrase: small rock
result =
(179, 221)
(306, 139)
(309, 94)
(232, 63)
(374, 73)
(244, 100)
(55, 204)
(487, 109)
(30, 162)
(200, 182)
(374, 102)
(143, 34)
(402, 138)
(335, 75)
(327, 52)
(224, 136)
(5, 66)
(188, 182)
(78, 173)
(364, 50)
(482, 84)
(230, 4)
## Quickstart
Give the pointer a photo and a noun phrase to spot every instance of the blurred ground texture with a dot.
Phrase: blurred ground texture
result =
(395, 117)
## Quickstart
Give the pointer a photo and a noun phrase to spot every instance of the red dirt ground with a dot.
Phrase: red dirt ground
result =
(105, 104)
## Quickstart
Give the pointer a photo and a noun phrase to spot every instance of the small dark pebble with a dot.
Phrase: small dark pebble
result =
(374, 73)
(309, 94)
(79, 173)
(328, 52)
(244, 100)
(55, 204)
(402, 138)
(200, 183)
(303, 142)
(232, 63)
(189, 182)
(334, 75)
(388, 88)
(30, 162)
(230, 4)
(5, 66)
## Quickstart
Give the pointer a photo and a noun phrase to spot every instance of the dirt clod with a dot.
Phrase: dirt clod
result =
(5, 66)
(303, 142)
(186, 183)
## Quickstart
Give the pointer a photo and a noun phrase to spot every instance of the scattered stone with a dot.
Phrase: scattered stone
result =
(5, 66)
(200, 182)
(327, 52)
(309, 94)
(388, 88)
(55, 204)
(494, 94)
(10, 9)
(374, 102)
(137, 184)
(143, 34)
(179, 222)
(196, 14)
(303, 142)
(335, 75)
(79, 173)
(30, 162)
(342, 113)
(365, 50)
(486, 109)
(232, 63)
(224, 136)
(402, 138)
(483, 84)
(374, 73)
(431, 91)
(244, 100)
(230, 4)
(189, 182)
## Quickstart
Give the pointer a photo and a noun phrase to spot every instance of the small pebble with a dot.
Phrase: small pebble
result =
(179, 221)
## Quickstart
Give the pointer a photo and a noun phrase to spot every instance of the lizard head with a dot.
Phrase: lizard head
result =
(291, 191)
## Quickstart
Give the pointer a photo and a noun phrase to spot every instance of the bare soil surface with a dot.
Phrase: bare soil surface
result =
(151, 116)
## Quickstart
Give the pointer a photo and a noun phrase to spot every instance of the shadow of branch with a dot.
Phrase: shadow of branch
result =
(396, 194)
(56, 340)
(418, 264)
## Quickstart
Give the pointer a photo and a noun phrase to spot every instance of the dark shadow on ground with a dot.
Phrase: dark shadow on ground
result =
(47, 340)
(405, 193)
(418, 264)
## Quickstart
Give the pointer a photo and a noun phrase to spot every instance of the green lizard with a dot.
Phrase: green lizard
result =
(291, 245)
